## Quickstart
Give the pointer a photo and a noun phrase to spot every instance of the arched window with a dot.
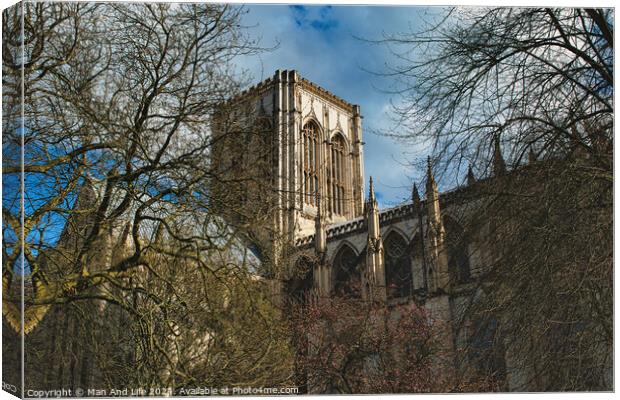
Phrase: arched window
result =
(458, 255)
(310, 133)
(337, 175)
(397, 266)
(347, 275)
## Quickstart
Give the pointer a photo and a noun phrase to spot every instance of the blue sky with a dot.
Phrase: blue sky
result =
(321, 42)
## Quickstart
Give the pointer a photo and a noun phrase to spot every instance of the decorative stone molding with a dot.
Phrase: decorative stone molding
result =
(386, 217)
(358, 224)
(305, 84)
(325, 94)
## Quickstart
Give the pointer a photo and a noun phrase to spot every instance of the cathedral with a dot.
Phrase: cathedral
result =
(415, 252)
(288, 168)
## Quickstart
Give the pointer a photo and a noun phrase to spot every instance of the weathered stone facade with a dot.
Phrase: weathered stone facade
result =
(416, 252)
(313, 143)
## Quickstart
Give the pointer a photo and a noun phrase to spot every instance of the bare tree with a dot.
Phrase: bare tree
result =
(204, 321)
(347, 345)
(130, 275)
(525, 97)
(540, 79)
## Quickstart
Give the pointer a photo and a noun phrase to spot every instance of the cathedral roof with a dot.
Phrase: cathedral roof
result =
(358, 224)
(390, 215)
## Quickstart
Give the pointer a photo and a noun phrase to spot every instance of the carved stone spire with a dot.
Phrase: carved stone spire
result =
(372, 213)
(415, 197)
(499, 165)
(374, 276)
(438, 261)
(371, 191)
(431, 185)
(471, 179)
(432, 196)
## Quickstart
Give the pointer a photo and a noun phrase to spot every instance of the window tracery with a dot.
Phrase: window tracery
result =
(397, 266)
(310, 135)
(338, 175)
(347, 274)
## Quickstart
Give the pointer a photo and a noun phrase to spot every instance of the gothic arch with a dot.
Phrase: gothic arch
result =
(396, 229)
(311, 139)
(457, 246)
(338, 174)
(337, 133)
(344, 243)
(346, 271)
(398, 276)
(312, 119)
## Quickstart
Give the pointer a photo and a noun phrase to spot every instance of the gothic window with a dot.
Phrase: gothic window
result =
(310, 133)
(347, 275)
(458, 257)
(338, 175)
(397, 266)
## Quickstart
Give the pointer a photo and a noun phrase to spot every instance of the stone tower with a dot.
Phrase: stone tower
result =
(312, 140)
